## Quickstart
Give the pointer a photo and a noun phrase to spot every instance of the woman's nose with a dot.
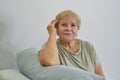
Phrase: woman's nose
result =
(69, 28)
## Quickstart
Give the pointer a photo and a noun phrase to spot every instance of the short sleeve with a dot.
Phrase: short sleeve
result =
(94, 56)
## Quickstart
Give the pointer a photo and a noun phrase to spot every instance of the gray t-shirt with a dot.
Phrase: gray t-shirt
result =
(85, 58)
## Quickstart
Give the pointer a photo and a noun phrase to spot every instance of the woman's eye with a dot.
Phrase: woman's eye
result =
(73, 25)
(63, 24)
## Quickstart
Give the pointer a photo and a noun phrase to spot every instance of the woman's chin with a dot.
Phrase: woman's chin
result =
(68, 39)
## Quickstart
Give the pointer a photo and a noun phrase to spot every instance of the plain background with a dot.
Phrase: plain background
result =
(23, 25)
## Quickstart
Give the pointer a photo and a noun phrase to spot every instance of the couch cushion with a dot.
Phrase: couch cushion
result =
(28, 63)
(11, 74)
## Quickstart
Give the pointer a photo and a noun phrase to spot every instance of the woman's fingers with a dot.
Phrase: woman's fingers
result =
(53, 22)
(51, 27)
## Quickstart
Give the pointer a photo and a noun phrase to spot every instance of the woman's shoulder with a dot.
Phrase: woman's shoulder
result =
(85, 43)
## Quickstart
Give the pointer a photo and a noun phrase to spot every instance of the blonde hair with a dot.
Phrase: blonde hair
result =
(68, 13)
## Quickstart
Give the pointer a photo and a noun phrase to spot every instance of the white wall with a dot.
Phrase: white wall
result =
(23, 24)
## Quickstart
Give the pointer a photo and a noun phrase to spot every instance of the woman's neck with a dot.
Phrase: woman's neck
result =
(70, 45)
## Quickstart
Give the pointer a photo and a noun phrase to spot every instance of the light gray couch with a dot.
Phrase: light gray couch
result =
(12, 74)
(30, 69)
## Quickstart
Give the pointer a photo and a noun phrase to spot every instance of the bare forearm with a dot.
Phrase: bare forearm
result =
(49, 56)
(51, 44)
(99, 71)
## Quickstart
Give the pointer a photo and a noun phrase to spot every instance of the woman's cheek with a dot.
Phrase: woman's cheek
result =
(60, 32)
(75, 32)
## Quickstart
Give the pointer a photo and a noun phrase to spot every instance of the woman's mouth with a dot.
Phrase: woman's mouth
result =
(68, 34)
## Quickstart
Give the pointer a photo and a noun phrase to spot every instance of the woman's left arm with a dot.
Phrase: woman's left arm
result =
(99, 71)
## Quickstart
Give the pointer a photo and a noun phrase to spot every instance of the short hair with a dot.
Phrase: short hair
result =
(68, 13)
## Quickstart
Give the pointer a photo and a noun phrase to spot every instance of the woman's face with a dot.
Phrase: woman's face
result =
(67, 29)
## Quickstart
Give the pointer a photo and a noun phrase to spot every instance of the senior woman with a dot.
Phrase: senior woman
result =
(67, 49)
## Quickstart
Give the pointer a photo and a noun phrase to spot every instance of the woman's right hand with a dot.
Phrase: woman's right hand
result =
(51, 27)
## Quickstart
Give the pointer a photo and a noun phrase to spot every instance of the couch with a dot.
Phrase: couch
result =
(30, 69)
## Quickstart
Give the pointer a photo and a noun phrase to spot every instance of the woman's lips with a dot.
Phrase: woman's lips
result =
(68, 34)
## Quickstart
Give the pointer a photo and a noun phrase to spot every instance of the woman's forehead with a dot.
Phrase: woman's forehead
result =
(68, 19)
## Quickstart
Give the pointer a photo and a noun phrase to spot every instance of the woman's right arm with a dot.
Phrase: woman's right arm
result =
(49, 55)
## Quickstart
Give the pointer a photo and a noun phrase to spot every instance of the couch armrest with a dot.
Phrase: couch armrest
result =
(12, 74)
